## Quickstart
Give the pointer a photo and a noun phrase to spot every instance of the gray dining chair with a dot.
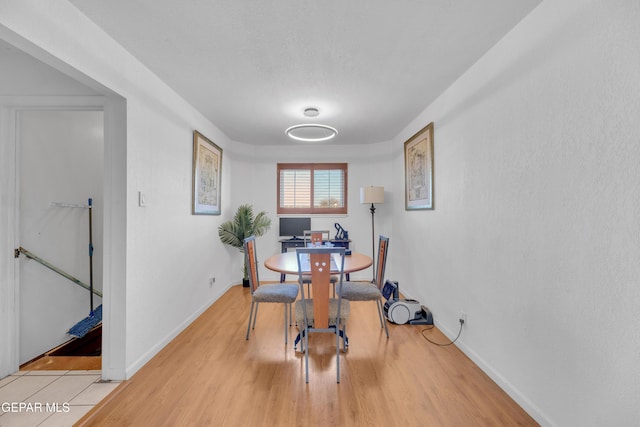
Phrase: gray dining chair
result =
(360, 291)
(319, 312)
(318, 237)
(277, 293)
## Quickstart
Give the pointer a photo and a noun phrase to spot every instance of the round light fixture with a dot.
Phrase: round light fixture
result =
(311, 112)
(311, 132)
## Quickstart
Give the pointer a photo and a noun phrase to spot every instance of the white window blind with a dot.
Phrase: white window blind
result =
(295, 188)
(312, 188)
(328, 186)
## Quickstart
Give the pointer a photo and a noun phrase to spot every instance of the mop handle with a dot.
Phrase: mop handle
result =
(90, 203)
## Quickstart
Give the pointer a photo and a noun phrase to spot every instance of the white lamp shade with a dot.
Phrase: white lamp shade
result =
(372, 194)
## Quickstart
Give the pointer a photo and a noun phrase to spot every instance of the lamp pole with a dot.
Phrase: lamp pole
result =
(372, 195)
(373, 242)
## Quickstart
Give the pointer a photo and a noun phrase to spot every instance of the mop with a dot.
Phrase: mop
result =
(81, 328)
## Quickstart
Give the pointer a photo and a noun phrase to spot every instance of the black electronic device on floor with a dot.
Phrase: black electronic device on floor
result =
(401, 311)
(426, 318)
(390, 290)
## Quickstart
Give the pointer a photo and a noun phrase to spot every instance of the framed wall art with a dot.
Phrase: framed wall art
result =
(207, 173)
(418, 170)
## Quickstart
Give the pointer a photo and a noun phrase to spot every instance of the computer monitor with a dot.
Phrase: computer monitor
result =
(294, 227)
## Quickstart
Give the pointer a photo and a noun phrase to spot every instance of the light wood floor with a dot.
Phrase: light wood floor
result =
(66, 363)
(210, 376)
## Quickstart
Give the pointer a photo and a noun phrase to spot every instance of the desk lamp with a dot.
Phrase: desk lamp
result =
(372, 195)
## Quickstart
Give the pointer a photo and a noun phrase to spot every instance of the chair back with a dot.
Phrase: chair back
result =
(251, 262)
(318, 263)
(383, 248)
(315, 236)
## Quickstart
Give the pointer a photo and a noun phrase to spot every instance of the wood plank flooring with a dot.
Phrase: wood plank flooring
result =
(211, 376)
(64, 363)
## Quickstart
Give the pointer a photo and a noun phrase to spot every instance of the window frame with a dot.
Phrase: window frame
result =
(344, 167)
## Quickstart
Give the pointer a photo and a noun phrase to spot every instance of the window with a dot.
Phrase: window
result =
(312, 188)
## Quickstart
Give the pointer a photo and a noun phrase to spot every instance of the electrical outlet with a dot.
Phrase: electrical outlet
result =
(463, 317)
(212, 280)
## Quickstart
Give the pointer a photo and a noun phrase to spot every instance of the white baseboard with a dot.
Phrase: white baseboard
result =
(142, 360)
(505, 385)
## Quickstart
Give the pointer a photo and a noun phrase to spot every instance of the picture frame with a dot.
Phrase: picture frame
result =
(206, 177)
(418, 170)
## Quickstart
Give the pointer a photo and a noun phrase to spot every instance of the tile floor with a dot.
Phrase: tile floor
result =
(50, 398)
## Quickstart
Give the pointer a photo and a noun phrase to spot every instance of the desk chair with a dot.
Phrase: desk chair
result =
(357, 291)
(280, 293)
(321, 313)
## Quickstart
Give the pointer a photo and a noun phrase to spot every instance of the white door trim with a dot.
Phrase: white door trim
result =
(9, 210)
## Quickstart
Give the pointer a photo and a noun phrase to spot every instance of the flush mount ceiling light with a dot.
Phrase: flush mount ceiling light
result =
(311, 132)
(311, 112)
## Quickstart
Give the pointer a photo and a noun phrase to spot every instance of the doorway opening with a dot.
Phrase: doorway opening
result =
(60, 214)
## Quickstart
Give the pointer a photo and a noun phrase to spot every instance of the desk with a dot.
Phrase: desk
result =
(299, 243)
(287, 263)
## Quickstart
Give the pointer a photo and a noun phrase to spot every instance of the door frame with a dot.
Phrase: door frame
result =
(114, 229)
(114, 331)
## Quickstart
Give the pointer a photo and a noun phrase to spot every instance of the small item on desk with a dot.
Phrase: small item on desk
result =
(341, 233)
(319, 245)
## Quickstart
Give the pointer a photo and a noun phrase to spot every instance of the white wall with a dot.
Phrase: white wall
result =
(536, 232)
(160, 257)
(254, 179)
(22, 75)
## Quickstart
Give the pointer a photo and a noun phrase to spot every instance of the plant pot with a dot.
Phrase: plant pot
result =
(245, 283)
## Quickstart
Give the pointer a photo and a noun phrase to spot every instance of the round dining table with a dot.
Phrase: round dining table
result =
(287, 263)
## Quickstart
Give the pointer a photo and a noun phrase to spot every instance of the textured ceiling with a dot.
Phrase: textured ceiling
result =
(251, 67)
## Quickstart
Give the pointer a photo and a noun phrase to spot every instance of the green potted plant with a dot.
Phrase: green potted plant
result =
(243, 225)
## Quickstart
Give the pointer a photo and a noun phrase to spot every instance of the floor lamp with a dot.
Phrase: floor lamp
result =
(372, 195)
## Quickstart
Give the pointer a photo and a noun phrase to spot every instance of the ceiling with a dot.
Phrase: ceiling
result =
(252, 67)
